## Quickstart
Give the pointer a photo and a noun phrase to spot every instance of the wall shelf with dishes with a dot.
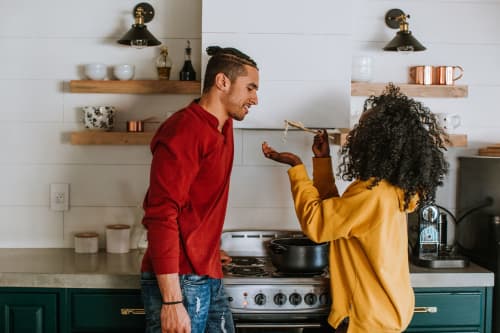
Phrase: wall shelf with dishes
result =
(126, 87)
(456, 140)
(414, 90)
(135, 86)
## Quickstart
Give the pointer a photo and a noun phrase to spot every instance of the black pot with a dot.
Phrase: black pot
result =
(298, 255)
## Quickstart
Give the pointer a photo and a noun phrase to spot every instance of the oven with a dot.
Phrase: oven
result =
(261, 298)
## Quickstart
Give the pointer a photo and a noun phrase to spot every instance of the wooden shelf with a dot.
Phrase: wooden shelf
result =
(111, 138)
(414, 90)
(135, 86)
(456, 140)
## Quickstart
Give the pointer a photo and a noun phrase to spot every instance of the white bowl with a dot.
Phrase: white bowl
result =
(99, 118)
(95, 71)
(124, 71)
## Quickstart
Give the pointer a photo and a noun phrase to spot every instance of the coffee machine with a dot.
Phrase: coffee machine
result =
(431, 247)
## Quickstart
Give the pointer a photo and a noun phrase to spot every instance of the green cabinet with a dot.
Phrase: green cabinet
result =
(452, 310)
(31, 310)
(104, 310)
(45, 310)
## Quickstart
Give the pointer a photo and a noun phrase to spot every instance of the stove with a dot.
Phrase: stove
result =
(260, 295)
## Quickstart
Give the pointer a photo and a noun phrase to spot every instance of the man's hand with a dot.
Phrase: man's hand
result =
(175, 319)
(321, 146)
(225, 258)
(285, 157)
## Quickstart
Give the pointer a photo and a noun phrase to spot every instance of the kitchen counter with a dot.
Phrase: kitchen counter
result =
(63, 268)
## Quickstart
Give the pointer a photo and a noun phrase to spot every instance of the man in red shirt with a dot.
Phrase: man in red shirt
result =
(186, 202)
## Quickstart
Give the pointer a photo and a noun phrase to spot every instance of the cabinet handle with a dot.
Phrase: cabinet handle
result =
(426, 309)
(128, 312)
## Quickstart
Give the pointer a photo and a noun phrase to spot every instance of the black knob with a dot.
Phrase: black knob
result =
(279, 299)
(230, 299)
(260, 299)
(310, 299)
(323, 299)
(295, 299)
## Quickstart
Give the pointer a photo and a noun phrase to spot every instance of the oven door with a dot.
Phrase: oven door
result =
(277, 323)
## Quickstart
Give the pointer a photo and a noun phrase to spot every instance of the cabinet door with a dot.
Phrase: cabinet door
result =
(102, 310)
(28, 312)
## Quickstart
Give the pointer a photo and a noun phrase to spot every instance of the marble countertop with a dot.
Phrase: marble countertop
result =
(63, 268)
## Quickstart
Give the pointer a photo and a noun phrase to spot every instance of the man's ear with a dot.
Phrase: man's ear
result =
(222, 82)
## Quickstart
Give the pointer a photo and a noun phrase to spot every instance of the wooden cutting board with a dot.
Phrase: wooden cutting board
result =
(493, 150)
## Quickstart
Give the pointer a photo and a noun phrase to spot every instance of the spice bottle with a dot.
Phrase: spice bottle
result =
(187, 72)
(163, 64)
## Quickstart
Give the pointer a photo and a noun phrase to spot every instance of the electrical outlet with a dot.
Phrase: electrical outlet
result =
(59, 197)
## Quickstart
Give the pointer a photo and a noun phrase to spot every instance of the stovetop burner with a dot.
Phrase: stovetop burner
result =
(248, 271)
(247, 261)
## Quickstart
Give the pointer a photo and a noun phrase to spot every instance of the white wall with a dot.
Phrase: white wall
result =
(45, 43)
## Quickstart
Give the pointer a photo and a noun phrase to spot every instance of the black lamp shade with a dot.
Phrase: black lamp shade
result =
(139, 32)
(404, 41)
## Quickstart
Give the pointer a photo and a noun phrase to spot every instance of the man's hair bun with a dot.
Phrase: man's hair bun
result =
(212, 50)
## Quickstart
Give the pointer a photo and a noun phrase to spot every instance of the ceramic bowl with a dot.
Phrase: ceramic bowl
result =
(124, 71)
(95, 71)
(99, 118)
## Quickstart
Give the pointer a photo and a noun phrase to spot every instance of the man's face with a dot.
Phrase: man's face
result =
(243, 94)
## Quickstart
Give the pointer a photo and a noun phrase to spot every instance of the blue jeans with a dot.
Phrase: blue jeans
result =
(203, 297)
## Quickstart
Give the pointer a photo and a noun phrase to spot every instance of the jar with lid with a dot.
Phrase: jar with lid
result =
(163, 64)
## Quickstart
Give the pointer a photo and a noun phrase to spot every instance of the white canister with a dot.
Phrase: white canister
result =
(86, 242)
(117, 238)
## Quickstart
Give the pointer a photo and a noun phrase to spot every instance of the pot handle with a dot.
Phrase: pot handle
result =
(277, 248)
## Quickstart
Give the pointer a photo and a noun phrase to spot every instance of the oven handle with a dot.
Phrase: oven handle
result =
(277, 325)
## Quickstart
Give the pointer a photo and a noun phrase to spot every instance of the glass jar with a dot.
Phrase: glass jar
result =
(163, 64)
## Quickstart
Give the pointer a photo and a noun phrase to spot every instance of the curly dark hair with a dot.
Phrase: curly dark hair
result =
(397, 139)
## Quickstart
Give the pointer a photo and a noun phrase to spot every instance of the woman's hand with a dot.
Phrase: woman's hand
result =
(321, 146)
(285, 157)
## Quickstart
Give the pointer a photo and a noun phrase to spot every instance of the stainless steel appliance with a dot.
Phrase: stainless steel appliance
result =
(477, 234)
(263, 299)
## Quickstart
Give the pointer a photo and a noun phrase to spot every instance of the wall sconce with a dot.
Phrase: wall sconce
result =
(404, 41)
(138, 36)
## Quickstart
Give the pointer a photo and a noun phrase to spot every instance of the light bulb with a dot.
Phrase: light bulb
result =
(139, 43)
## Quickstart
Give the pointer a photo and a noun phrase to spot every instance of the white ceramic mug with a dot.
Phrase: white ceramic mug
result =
(124, 71)
(448, 121)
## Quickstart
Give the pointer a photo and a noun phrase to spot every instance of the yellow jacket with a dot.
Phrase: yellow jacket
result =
(367, 231)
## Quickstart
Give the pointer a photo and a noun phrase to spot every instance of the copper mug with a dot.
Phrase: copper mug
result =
(446, 74)
(422, 74)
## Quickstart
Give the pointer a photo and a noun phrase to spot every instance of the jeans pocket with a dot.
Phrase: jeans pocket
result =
(194, 280)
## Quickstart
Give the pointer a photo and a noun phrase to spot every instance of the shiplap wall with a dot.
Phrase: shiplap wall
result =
(45, 44)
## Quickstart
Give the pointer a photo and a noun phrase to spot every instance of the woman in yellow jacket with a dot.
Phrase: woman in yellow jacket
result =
(394, 156)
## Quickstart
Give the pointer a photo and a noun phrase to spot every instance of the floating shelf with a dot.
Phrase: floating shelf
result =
(456, 140)
(414, 90)
(135, 86)
(111, 138)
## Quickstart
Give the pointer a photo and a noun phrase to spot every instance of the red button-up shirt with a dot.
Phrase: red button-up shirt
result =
(185, 206)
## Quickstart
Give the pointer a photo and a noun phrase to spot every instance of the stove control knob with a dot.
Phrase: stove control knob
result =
(295, 299)
(323, 299)
(279, 299)
(260, 299)
(310, 299)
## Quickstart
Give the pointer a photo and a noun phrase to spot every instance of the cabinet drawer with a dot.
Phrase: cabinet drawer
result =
(452, 309)
(94, 311)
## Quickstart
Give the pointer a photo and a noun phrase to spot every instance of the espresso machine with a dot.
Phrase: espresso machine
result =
(431, 247)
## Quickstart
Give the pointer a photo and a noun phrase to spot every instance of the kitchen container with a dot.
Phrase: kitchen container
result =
(124, 71)
(117, 238)
(298, 255)
(447, 75)
(135, 126)
(86, 242)
(99, 118)
(422, 74)
(361, 70)
(95, 71)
